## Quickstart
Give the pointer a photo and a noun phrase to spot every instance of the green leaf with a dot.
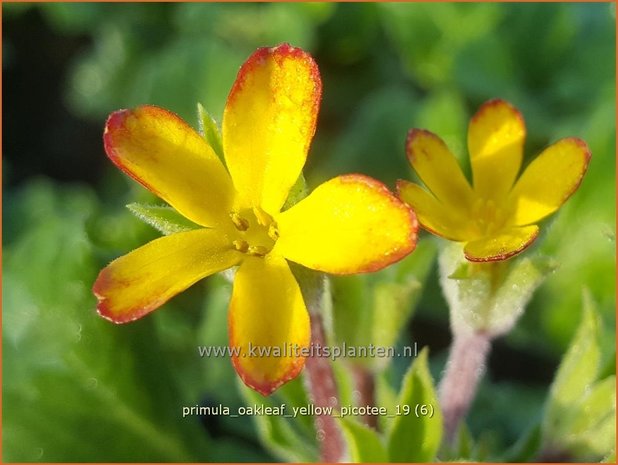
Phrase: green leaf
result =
(346, 383)
(523, 277)
(75, 387)
(580, 414)
(210, 131)
(608, 366)
(280, 434)
(577, 372)
(597, 404)
(163, 218)
(298, 192)
(593, 429)
(413, 438)
(396, 291)
(393, 306)
(464, 444)
(463, 449)
(364, 443)
(386, 396)
(461, 272)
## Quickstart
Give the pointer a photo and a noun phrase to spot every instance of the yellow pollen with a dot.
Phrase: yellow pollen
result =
(273, 232)
(241, 246)
(254, 232)
(257, 251)
(241, 223)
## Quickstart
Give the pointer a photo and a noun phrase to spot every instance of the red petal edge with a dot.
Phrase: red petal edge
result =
(263, 388)
(410, 243)
(115, 125)
(279, 54)
(103, 309)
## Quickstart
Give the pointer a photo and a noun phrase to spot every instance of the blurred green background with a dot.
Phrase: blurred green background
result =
(77, 388)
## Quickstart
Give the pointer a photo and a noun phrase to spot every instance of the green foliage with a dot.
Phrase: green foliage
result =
(464, 445)
(416, 436)
(163, 218)
(373, 309)
(298, 192)
(364, 442)
(210, 131)
(73, 381)
(611, 458)
(430, 37)
(291, 439)
(580, 415)
(173, 55)
(578, 369)
(465, 448)
(413, 426)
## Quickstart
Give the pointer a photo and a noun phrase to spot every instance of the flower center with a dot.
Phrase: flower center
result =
(490, 217)
(255, 231)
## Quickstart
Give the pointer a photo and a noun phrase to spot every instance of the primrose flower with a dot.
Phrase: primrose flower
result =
(496, 218)
(349, 224)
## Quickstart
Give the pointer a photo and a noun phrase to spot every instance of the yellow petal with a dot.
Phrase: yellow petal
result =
(267, 316)
(268, 123)
(501, 246)
(349, 224)
(143, 280)
(162, 152)
(434, 216)
(495, 141)
(549, 180)
(438, 169)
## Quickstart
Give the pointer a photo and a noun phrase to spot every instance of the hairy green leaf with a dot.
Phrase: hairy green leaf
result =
(416, 436)
(489, 296)
(580, 415)
(210, 131)
(364, 443)
(163, 218)
(280, 434)
(577, 372)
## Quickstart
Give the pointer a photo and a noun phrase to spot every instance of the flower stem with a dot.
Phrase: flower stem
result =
(365, 385)
(464, 369)
(322, 390)
(320, 381)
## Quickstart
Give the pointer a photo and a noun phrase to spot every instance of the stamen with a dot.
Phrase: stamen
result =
(241, 246)
(273, 231)
(241, 223)
(262, 217)
(257, 251)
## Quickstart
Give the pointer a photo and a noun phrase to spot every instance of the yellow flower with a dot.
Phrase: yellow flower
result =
(349, 224)
(496, 218)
